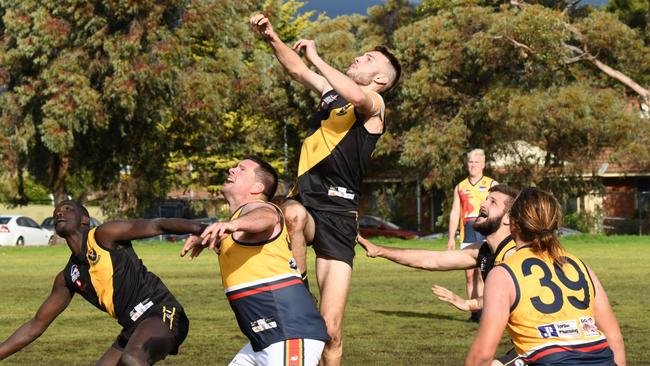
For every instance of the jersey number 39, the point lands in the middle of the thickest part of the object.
(549, 282)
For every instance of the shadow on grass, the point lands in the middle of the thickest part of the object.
(413, 314)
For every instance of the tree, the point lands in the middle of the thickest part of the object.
(86, 86)
(483, 76)
(634, 13)
(244, 100)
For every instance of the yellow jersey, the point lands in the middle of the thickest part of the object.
(471, 196)
(266, 292)
(552, 319)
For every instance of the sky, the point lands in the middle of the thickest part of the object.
(334, 8)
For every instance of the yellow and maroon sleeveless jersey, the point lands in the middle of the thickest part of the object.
(266, 292)
(115, 281)
(471, 196)
(552, 319)
(334, 156)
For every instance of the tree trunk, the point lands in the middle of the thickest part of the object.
(59, 170)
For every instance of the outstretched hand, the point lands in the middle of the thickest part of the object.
(308, 46)
(193, 243)
(262, 25)
(450, 297)
(215, 233)
(371, 249)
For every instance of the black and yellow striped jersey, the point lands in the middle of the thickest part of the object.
(335, 155)
(552, 319)
(115, 281)
(266, 292)
(486, 260)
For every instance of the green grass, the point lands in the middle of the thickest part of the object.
(391, 318)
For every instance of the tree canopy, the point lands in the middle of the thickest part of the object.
(126, 100)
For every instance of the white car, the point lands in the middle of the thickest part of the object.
(48, 224)
(21, 230)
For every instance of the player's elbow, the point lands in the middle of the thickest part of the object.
(479, 357)
(295, 74)
(358, 98)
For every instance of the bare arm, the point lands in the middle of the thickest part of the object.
(289, 59)
(425, 259)
(111, 233)
(259, 220)
(450, 297)
(498, 297)
(365, 103)
(606, 321)
(454, 219)
(58, 300)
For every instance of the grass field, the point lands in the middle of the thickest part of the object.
(391, 318)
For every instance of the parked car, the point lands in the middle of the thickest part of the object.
(48, 224)
(22, 230)
(566, 231)
(370, 226)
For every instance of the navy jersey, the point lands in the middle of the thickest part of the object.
(265, 291)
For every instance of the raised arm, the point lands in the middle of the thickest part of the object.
(424, 259)
(112, 233)
(289, 59)
(498, 295)
(454, 219)
(364, 102)
(58, 300)
(606, 321)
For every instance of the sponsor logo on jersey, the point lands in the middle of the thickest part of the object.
(74, 275)
(483, 264)
(564, 329)
(93, 257)
(482, 188)
(292, 264)
(588, 326)
(340, 192)
(263, 324)
(344, 110)
(139, 309)
(329, 99)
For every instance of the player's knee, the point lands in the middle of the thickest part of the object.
(134, 357)
(336, 340)
(334, 331)
(295, 217)
(333, 350)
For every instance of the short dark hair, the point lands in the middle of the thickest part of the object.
(511, 192)
(83, 211)
(393, 61)
(77, 204)
(266, 174)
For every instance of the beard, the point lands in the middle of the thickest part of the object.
(489, 226)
